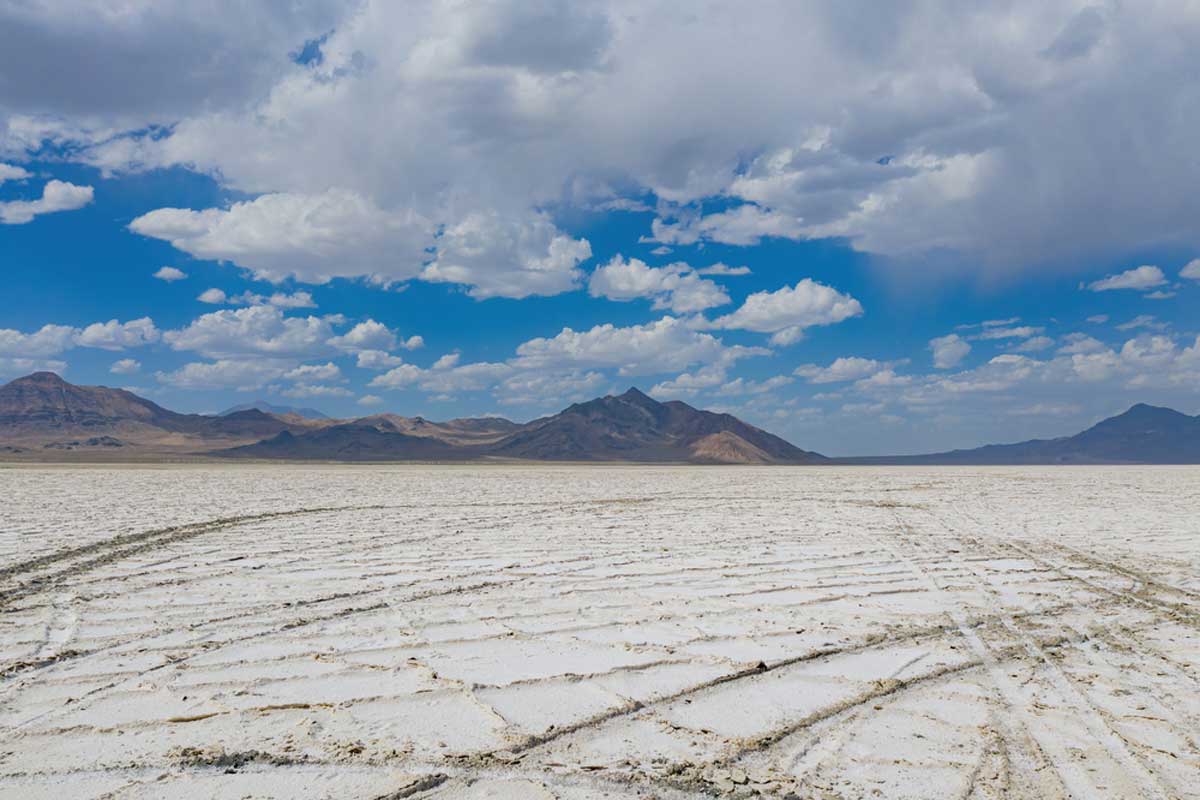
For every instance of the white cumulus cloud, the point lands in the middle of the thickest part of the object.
(787, 312)
(56, 196)
(170, 274)
(1139, 278)
(675, 287)
(309, 237)
(948, 351)
(500, 257)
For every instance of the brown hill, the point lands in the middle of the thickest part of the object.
(469, 431)
(43, 411)
(727, 447)
(634, 427)
(351, 441)
(43, 400)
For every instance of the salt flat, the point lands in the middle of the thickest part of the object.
(577, 632)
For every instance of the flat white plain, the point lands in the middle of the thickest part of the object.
(577, 632)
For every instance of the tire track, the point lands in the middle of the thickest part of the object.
(80, 560)
(1132, 763)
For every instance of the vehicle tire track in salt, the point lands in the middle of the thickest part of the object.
(1131, 762)
(98, 554)
(1019, 726)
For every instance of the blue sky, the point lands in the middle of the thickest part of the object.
(851, 244)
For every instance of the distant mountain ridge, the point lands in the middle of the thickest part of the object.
(42, 409)
(270, 408)
(1144, 434)
(43, 412)
(630, 427)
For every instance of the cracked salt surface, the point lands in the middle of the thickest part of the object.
(620, 632)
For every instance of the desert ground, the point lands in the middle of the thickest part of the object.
(579, 632)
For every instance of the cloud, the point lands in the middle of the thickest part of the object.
(498, 257)
(675, 287)
(883, 378)
(1023, 332)
(377, 360)
(370, 400)
(667, 344)
(248, 298)
(170, 274)
(264, 331)
(374, 336)
(847, 368)
(148, 61)
(888, 132)
(1081, 369)
(863, 408)
(1142, 321)
(314, 372)
(1079, 36)
(239, 374)
(690, 383)
(398, 377)
(788, 311)
(16, 367)
(293, 300)
(536, 389)
(466, 378)
(49, 340)
(302, 390)
(1139, 278)
(125, 366)
(368, 335)
(1191, 270)
(723, 269)
(741, 386)
(1035, 344)
(1098, 319)
(1046, 410)
(115, 335)
(948, 351)
(11, 172)
(310, 237)
(56, 196)
(255, 330)
(1081, 343)
(54, 339)
(744, 225)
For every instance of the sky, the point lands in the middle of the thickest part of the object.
(867, 228)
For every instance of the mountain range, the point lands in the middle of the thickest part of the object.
(270, 408)
(42, 412)
(42, 416)
(1144, 434)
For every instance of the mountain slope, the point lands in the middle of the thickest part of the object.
(44, 400)
(1142, 435)
(43, 411)
(383, 437)
(351, 442)
(634, 427)
(263, 405)
(467, 431)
